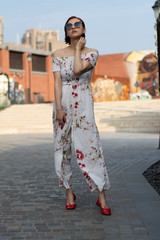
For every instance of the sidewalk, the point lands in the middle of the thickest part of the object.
(33, 206)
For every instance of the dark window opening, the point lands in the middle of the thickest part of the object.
(16, 60)
(38, 63)
(50, 46)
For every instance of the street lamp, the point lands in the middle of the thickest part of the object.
(29, 58)
(156, 8)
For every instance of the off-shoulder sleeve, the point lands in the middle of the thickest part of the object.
(92, 58)
(56, 65)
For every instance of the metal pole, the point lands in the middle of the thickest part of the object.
(29, 84)
(158, 48)
(8, 88)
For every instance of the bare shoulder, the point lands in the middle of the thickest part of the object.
(88, 50)
(59, 52)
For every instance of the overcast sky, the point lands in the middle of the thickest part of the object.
(113, 26)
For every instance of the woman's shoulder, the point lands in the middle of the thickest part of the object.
(91, 50)
(64, 52)
(59, 52)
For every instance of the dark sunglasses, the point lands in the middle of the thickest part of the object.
(76, 25)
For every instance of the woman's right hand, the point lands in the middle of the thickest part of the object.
(60, 116)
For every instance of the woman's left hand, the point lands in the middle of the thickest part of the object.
(81, 43)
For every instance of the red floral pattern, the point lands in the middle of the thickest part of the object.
(79, 155)
(74, 87)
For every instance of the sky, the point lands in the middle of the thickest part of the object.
(111, 26)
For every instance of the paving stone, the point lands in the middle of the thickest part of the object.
(127, 238)
(5, 238)
(23, 235)
(33, 206)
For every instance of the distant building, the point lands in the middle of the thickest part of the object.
(17, 45)
(45, 40)
(1, 30)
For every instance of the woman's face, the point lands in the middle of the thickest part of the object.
(75, 30)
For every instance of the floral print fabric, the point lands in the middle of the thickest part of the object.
(77, 103)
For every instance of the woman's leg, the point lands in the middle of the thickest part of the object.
(70, 198)
(62, 152)
(102, 199)
(87, 143)
(89, 155)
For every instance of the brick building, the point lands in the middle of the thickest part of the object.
(124, 76)
(35, 75)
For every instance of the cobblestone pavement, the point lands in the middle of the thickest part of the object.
(33, 206)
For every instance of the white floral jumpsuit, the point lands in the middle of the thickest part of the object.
(77, 103)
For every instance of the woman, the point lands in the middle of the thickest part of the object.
(74, 111)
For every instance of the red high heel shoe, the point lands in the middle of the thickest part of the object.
(105, 211)
(71, 206)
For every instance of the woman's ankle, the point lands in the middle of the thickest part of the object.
(101, 196)
(101, 193)
(70, 197)
(69, 191)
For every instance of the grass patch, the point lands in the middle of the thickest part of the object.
(1, 108)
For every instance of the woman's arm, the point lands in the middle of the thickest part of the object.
(79, 65)
(60, 114)
(58, 89)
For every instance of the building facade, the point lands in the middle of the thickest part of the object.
(26, 78)
(45, 40)
(124, 76)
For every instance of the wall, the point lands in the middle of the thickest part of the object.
(124, 76)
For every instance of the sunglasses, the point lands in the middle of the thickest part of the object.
(76, 25)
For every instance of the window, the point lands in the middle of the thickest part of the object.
(50, 46)
(29, 38)
(39, 45)
(46, 36)
(15, 59)
(38, 63)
